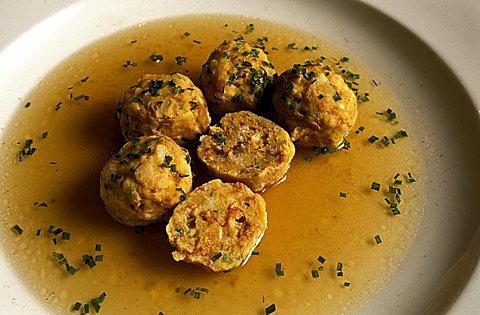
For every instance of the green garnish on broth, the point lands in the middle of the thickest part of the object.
(278, 270)
(270, 309)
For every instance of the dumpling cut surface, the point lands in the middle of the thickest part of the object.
(163, 104)
(218, 225)
(235, 77)
(315, 105)
(148, 177)
(247, 148)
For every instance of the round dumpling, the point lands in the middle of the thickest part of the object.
(315, 105)
(163, 104)
(247, 148)
(218, 225)
(235, 77)
(145, 180)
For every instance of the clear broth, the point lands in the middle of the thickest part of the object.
(307, 216)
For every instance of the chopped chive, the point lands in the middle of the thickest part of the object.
(98, 258)
(378, 239)
(314, 273)
(397, 182)
(38, 232)
(410, 178)
(54, 241)
(86, 308)
(57, 231)
(18, 229)
(321, 259)
(396, 211)
(186, 34)
(71, 270)
(374, 83)
(216, 256)
(187, 291)
(375, 186)
(255, 253)
(250, 28)
(66, 236)
(339, 266)
(81, 97)
(292, 46)
(360, 129)
(336, 97)
(197, 41)
(372, 139)
(156, 58)
(76, 307)
(45, 135)
(270, 309)
(278, 270)
(343, 195)
(51, 228)
(27, 105)
(85, 79)
(98, 247)
(180, 60)
(346, 284)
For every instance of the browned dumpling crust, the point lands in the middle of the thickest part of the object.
(315, 105)
(247, 148)
(164, 104)
(218, 225)
(235, 77)
(148, 177)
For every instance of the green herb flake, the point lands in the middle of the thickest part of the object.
(375, 186)
(336, 97)
(129, 63)
(250, 28)
(278, 270)
(410, 178)
(378, 239)
(180, 60)
(76, 307)
(321, 259)
(156, 57)
(360, 129)
(45, 135)
(308, 159)
(197, 42)
(343, 195)
(17, 229)
(270, 309)
(186, 34)
(98, 258)
(27, 150)
(27, 104)
(216, 257)
(372, 139)
(255, 253)
(314, 273)
(292, 46)
(346, 284)
(65, 236)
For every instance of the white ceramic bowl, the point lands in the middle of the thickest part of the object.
(427, 50)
